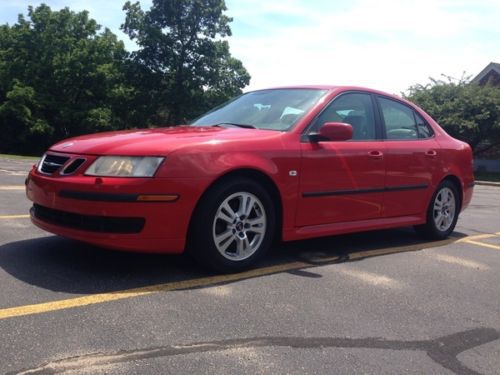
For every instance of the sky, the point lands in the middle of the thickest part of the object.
(384, 44)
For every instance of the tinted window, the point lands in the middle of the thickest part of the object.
(424, 129)
(278, 109)
(354, 109)
(399, 120)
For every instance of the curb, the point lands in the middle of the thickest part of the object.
(488, 183)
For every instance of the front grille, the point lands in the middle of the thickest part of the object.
(73, 166)
(51, 163)
(102, 224)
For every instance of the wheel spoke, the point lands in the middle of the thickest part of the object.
(247, 205)
(446, 221)
(257, 222)
(226, 213)
(224, 239)
(447, 197)
(451, 207)
(257, 230)
(257, 226)
(242, 245)
(438, 204)
(439, 220)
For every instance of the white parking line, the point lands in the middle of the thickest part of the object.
(371, 278)
(460, 261)
(8, 217)
(12, 187)
(218, 291)
(13, 173)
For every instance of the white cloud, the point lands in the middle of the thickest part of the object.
(384, 44)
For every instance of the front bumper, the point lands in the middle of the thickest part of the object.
(143, 226)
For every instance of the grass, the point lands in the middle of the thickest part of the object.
(487, 176)
(19, 157)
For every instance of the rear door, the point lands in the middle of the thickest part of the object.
(411, 158)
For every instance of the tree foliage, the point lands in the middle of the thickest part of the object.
(59, 76)
(465, 110)
(188, 64)
(62, 75)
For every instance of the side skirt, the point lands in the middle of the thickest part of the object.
(351, 227)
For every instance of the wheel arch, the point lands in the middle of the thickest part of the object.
(458, 184)
(263, 179)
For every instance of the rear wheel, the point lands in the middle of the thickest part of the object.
(233, 226)
(442, 213)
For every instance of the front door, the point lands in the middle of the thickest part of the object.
(343, 181)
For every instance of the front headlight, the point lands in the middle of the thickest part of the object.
(124, 166)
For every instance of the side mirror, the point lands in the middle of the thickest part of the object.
(332, 131)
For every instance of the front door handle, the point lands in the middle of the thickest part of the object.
(431, 153)
(376, 154)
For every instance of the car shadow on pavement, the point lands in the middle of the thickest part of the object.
(64, 265)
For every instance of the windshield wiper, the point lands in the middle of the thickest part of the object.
(246, 126)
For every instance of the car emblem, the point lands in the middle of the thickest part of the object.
(66, 145)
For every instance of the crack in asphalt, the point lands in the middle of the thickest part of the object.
(442, 350)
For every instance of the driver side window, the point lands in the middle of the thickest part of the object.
(355, 109)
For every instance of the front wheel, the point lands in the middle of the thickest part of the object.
(442, 213)
(233, 226)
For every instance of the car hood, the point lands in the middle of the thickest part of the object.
(159, 141)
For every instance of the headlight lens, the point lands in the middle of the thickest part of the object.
(124, 166)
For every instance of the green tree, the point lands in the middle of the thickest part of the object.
(59, 76)
(188, 66)
(466, 111)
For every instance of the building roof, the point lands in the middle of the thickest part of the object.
(491, 67)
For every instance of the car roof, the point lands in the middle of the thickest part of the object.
(327, 87)
(337, 88)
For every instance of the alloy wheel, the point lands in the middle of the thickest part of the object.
(239, 226)
(444, 209)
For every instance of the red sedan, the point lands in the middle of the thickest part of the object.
(288, 163)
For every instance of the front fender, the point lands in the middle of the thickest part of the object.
(276, 165)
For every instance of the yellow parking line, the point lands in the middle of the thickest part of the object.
(12, 187)
(472, 240)
(201, 282)
(478, 237)
(496, 247)
(7, 217)
(40, 308)
(206, 281)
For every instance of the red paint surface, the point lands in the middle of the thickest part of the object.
(196, 157)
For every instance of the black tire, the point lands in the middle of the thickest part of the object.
(207, 224)
(434, 229)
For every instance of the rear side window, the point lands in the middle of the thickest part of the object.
(424, 129)
(403, 122)
(400, 122)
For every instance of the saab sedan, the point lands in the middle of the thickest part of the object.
(278, 164)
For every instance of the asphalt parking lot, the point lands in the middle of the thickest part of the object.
(379, 302)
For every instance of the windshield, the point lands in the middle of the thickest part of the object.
(277, 109)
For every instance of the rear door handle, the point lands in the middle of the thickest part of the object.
(431, 153)
(376, 154)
